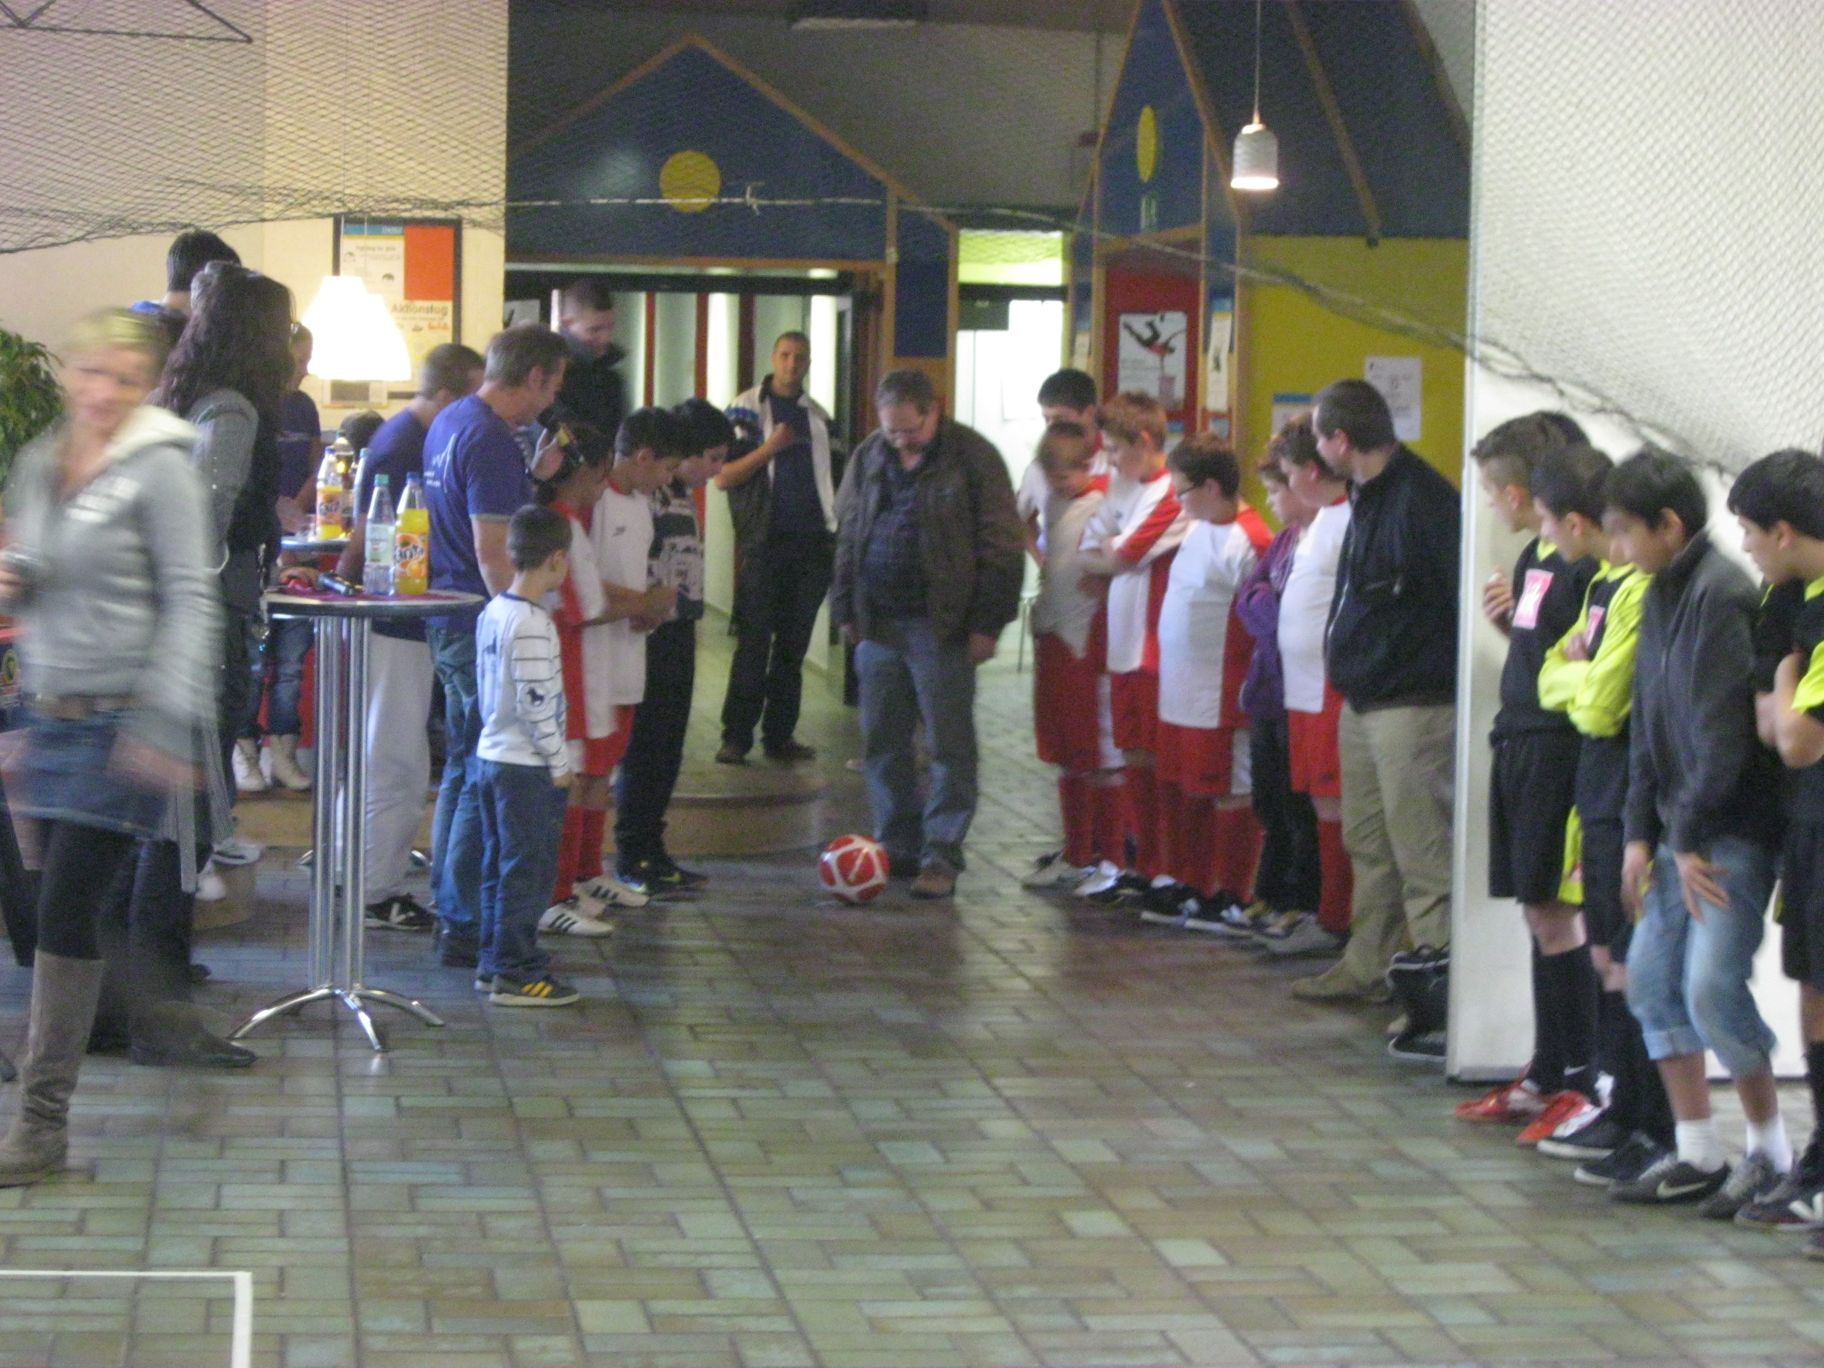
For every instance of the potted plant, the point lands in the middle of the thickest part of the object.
(30, 397)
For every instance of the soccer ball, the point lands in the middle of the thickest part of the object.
(854, 868)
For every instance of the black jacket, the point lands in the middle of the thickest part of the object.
(1696, 769)
(971, 542)
(1392, 637)
(593, 391)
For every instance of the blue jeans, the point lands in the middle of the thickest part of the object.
(907, 674)
(1688, 980)
(456, 826)
(279, 671)
(522, 819)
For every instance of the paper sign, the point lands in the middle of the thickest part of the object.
(1151, 355)
(1216, 366)
(1286, 407)
(1400, 381)
(426, 323)
(376, 253)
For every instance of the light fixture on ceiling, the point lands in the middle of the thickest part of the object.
(1256, 164)
(354, 334)
(856, 14)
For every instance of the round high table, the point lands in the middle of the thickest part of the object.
(339, 817)
(302, 545)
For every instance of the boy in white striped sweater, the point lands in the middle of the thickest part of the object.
(524, 764)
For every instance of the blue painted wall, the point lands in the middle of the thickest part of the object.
(921, 307)
(1152, 77)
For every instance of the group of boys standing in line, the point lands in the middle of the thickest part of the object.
(1215, 700)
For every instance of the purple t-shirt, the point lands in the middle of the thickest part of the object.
(396, 450)
(474, 469)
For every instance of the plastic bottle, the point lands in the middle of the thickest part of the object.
(411, 541)
(377, 570)
(332, 495)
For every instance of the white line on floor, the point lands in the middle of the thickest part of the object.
(240, 1344)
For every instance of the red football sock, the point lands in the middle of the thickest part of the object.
(1143, 813)
(1334, 899)
(589, 852)
(567, 847)
(1105, 796)
(1236, 834)
(1175, 842)
(1077, 807)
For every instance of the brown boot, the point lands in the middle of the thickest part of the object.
(64, 993)
(936, 879)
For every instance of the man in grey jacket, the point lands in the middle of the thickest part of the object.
(1703, 823)
(928, 570)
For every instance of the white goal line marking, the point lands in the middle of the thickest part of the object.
(240, 1344)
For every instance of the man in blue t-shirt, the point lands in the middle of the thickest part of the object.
(399, 670)
(475, 479)
(782, 500)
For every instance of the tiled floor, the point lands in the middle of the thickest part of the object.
(787, 1133)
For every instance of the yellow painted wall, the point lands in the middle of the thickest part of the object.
(1293, 345)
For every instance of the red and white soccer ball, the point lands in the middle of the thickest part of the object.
(854, 868)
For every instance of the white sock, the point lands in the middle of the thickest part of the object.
(1769, 1138)
(1698, 1144)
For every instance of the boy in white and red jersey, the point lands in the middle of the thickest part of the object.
(1129, 544)
(1070, 694)
(1208, 837)
(1066, 396)
(1313, 706)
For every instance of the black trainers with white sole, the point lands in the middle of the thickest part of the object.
(1596, 1140)
(401, 912)
(1670, 1179)
(1634, 1157)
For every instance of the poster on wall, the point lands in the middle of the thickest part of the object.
(1216, 366)
(1286, 407)
(1401, 383)
(415, 265)
(1151, 357)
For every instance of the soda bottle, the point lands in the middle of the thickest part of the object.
(411, 541)
(332, 496)
(377, 570)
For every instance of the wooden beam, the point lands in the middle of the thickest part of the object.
(1345, 145)
(1453, 107)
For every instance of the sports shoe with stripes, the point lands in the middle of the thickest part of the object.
(568, 918)
(543, 991)
(1588, 1134)
(1054, 873)
(607, 891)
(1796, 1201)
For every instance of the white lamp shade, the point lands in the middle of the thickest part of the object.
(1256, 164)
(354, 334)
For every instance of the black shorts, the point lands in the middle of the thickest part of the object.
(1604, 920)
(1802, 903)
(1532, 788)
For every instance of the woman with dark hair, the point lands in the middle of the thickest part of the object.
(106, 571)
(227, 378)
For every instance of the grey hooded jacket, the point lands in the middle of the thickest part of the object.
(121, 599)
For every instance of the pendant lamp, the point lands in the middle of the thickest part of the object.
(1255, 167)
(355, 334)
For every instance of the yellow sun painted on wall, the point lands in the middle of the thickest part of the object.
(690, 182)
(1146, 144)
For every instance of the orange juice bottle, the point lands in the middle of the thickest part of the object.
(412, 541)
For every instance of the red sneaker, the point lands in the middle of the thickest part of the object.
(1511, 1103)
(1559, 1108)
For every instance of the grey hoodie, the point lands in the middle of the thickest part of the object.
(122, 599)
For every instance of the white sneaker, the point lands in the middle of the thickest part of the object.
(608, 891)
(567, 918)
(209, 885)
(1054, 871)
(282, 764)
(247, 775)
(1101, 879)
(1300, 937)
(237, 850)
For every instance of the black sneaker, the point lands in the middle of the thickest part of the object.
(1638, 1153)
(454, 952)
(1670, 1179)
(1598, 1139)
(1418, 1047)
(1754, 1178)
(1797, 1202)
(546, 990)
(1426, 959)
(1164, 904)
(658, 877)
(401, 912)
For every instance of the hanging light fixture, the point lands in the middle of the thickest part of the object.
(1255, 167)
(355, 334)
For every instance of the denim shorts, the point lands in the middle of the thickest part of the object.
(64, 774)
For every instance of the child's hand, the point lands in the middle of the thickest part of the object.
(1498, 600)
(563, 782)
(661, 602)
(1577, 647)
(1636, 877)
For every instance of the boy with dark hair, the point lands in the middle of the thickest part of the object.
(655, 749)
(1779, 501)
(190, 251)
(1531, 792)
(1066, 396)
(1589, 675)
(593, 391)
(1130, 542)
(522, 763)
(1703, 829)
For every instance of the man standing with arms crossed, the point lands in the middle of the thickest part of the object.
(783, 503)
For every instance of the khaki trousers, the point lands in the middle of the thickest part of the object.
(1399, 771)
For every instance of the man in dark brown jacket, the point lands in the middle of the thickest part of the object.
(928, 572)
